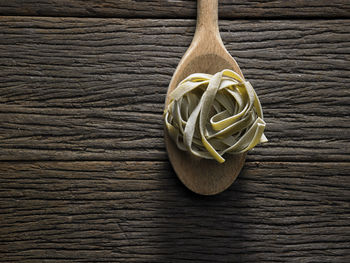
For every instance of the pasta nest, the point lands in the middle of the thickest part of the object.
(210, 115)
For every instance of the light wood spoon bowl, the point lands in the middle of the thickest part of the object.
(206, 54)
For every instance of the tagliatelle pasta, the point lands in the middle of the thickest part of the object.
(210, 115)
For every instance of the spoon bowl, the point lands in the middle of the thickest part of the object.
(206, 54)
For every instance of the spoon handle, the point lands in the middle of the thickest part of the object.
(207, 18)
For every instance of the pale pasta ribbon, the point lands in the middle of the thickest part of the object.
(210, 115)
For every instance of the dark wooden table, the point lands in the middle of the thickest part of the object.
(84, 174)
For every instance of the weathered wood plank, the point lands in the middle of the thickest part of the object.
(139, 211)
(176, 9)
(93, 89)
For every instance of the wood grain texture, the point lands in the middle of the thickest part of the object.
(140, 212)
(175, 8)
(93, 89)
(84, 174)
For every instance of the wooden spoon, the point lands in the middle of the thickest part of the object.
(206, 54)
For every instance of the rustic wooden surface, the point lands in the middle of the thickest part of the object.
(176, 8)
(139, 211)
(84, 175)
(94, 89)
